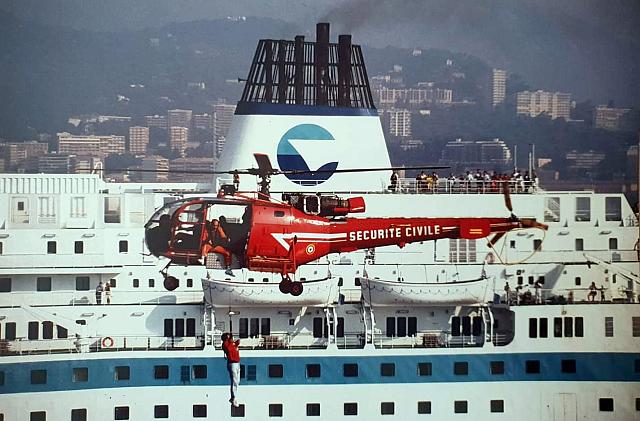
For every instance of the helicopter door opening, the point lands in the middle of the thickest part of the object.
(228, 228)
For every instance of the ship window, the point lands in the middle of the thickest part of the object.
(80, 374)
(168, 327)
(613, 244)
(38, 376)
(179, 328)
(47, 330)
(583, 209)
(82, 283)
(313, 370)
(161, 411)
(605, 404)
(123, 246)
(391, 327)
(579, 244)
(461, 368)
(152, 283)
(78, 247)
(200, 411)
(191, 327)
(412, 328)
(520, 280)
(424, 369)
(63, 333)
(455, 326)
(275, 409)
(357, 282)
(254, 327)
(276, 371)
(122, 372)
(533, 328)
(79, 414)
(387, 369)
(81, 322)
(401, 330)
(2, 379)
(496, 367)
(557, 327)
(568, 366)
(121, 413)
(161, 372)
(112, 210)
(637, 404)
(244, 328)
(512, 244)
(568, 327)
(1, 247)
(34, 327)
(635, 326)
(579, 328)
(552, 209)
(265, 326)
(43, 283)
(199, 371)
(544, 327)
(189, 282)
(537, 244)
(112, 282)
(313, 410)
(10, 331)
(38, 416)
(350, 370)
(460, 407)
(466, 325)
(578, 281)
(612, 209)
(532, 366)
(5, 284)
(350, 408)
(251, 372)
(387, 408)
(318, 323)
(136, 283)
(497, 406)
(51, 247)
(237, 411)
(424, 407)
(78, 207)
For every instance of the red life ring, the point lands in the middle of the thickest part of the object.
(107, 342)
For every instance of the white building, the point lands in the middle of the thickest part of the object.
(138, 139)
(555, 104)
(498, 87)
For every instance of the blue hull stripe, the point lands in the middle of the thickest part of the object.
(261, 108)
(590, 367)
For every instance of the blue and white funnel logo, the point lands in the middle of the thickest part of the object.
(315, 143)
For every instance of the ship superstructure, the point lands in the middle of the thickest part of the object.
(447, 329)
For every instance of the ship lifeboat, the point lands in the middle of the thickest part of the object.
(225, 293)
(392, 293)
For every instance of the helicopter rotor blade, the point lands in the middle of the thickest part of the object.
(355, 170)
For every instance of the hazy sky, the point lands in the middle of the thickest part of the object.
(590, 46)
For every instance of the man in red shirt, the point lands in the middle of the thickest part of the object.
(231, 353)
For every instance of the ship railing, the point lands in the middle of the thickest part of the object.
(298, 340)
(459, 186)
(22, 346)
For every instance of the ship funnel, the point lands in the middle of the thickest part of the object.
(308, 106)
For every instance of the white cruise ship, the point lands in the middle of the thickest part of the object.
(426, 331)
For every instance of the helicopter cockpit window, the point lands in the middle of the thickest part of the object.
(187, 232)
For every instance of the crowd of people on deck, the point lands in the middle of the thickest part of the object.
(476, 182)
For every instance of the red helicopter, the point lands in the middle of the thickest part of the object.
(264, 234)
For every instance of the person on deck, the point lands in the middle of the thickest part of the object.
(231, 353)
